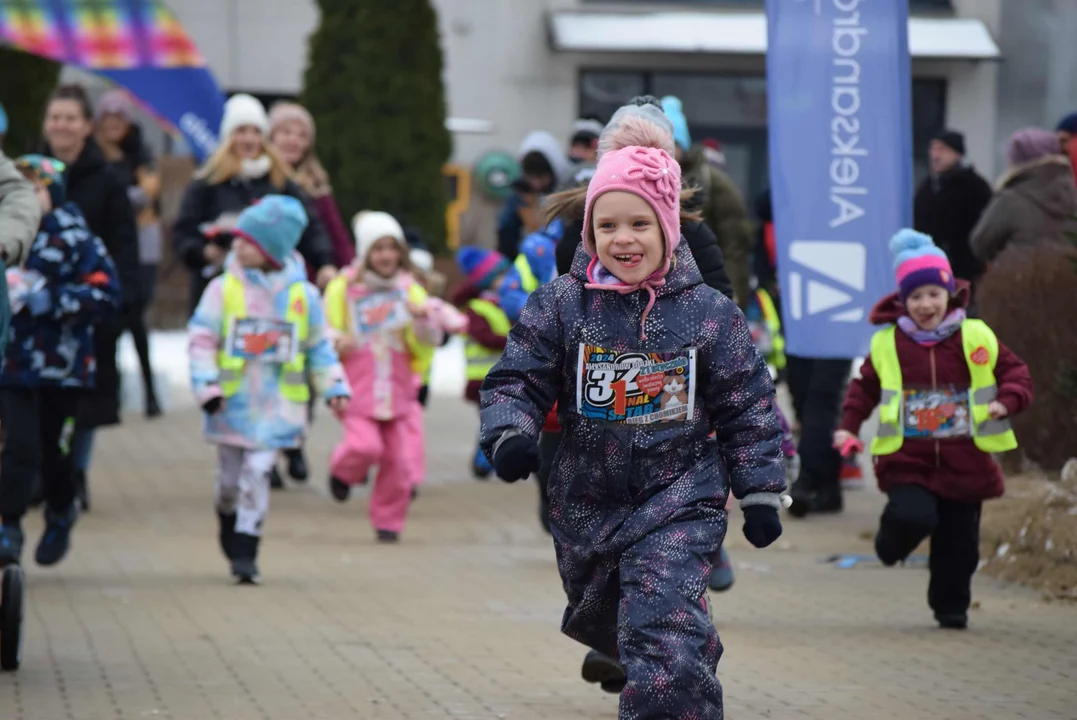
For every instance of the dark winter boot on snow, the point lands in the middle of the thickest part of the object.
(11, 542)
(227, 532)
(297, 464)
(276, 482)
(605, 671)
(56, 541)
(952, 621)
(245, 559)
(339, 489)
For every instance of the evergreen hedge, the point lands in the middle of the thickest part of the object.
(373, 84)
(25, 83)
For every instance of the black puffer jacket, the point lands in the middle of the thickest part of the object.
(701, 241)
(947, 207)
(204, 203)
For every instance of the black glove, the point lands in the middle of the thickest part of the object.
(516, 458)
(213, 405)
(761, 525)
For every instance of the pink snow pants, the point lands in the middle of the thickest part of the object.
(387, 444)
(416, 443)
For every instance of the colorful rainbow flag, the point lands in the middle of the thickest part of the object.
(137, 43)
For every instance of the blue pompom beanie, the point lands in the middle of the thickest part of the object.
(918, 262)
(674, 110)
(274, 224)
(481, 266)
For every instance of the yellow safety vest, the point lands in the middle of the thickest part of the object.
(481, 359)
(528, 281)
(991, 436)
(293, 382)
(774, 324)
(338, 314)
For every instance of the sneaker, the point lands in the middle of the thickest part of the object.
(388, 536)
(297, 464)
(721, 578)
(276, 482)
(11, 542)
(605, 671)
(480, 466)
(339, 489)
(227, 532)
(245, 559)
(952, 621)
(56, 540)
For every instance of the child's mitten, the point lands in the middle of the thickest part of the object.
(761, 525)
(516, 457)
(213, 405)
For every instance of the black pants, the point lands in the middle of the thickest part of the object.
(39, 425)
(817, 386)
(912, 514)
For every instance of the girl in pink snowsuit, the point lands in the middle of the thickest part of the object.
(383, 322)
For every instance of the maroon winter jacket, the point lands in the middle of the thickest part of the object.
(952, 468)
(479, 330)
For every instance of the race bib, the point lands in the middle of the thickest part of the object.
(260, 340)
(636, 388)
(380, 312)
(937, 413)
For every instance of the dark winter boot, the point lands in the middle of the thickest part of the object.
(339, 489)
(153, 408)
(276, 482)
(297, 464)
(245, 559)
(952, 621)
(56, 541)
(227, 532)
(388, 536)
(605, 671)
(721, 578)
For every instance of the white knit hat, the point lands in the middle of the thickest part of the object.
(243, 109)
(371, 226)
(421, 259)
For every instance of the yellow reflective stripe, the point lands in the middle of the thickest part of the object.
(491, 313)
(528, 280)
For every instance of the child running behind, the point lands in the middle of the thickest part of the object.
(69, 284)
(255, 332)
(644, 362)
(946, 388)
(384, 326)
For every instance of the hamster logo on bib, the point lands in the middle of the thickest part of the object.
(636, 388)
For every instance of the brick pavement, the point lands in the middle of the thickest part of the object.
(460, 620)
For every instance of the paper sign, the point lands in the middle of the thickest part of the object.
(380, 312)
(261, 340)
(937, 413)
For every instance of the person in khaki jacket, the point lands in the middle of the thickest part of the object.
(20, 214)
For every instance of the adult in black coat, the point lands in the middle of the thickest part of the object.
(102, 196)
(242, 171)
(949, 203)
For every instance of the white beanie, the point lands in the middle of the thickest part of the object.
(371, 226)
(422, 259)
(243, 109)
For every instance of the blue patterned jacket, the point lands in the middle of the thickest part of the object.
(55, 347)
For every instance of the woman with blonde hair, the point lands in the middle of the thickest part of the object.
(291, 134)
(243, 170)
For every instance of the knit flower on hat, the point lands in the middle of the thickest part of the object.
(651, 168)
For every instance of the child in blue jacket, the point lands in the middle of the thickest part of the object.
(68, 284)
(644, 362)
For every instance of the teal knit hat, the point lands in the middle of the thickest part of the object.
(274, 224)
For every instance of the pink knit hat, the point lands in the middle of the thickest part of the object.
(653, 175)
(283, 112)
(646, 172)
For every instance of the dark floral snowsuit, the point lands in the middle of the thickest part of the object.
(637, 511)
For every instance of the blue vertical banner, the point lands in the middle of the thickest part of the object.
(840, 115)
